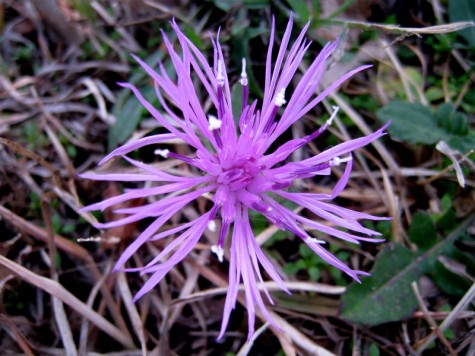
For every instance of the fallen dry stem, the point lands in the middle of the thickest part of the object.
(270, 286)
(17, 335)
(71, 249)
(461, 306)
(33, 156)
(430, 321)
(58, 307)
(56, 290)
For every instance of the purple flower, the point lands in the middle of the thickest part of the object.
(232, 163)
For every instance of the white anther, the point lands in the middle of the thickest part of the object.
(219, 76)
(338, 160)
(90, 239)
(280, 98)
(243, 79)
(111, 239)
(164, 153)
(218, 251)
(214, 123)
(212, 226)
(314, 240)
(269, 209)
(333, 115)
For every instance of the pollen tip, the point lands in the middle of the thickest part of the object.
(337, 160)
(314, 240)
(219, 76)
(243, 80)
(214, 123)
(212, 226)
(164, 153)
(218, 251)
(280, 98)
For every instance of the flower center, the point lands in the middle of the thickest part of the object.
(241, 173)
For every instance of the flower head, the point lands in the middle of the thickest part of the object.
(232, 162)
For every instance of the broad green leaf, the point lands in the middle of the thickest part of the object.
(380, 297)
(411, 122)
(387, 295)
(463, 10)
(422, 231)
(415, 123)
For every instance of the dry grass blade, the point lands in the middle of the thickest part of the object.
(53, 16)
(247, 346)
(101, 103)
(411, 31)
(71, 249)
(301, 340)
(58, 308)
(134, 316)
(442, 173)
(62, 243)
(33, 156)
(56, 290)
(270, 286)
(399, 69)
(461, 306)
(392, 203)
(64, 328)
(431, 321)
(16, 335)
(83, 334)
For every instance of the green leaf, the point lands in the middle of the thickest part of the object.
(415, 123)
(128, 112)
(452, 121)
(387, 295)
(314, 273)
(422, 231)
(299, 7)
(374, 350)
(462, 143)
(411, 122)
(450, 282)
(380, 298)
(463, 10)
